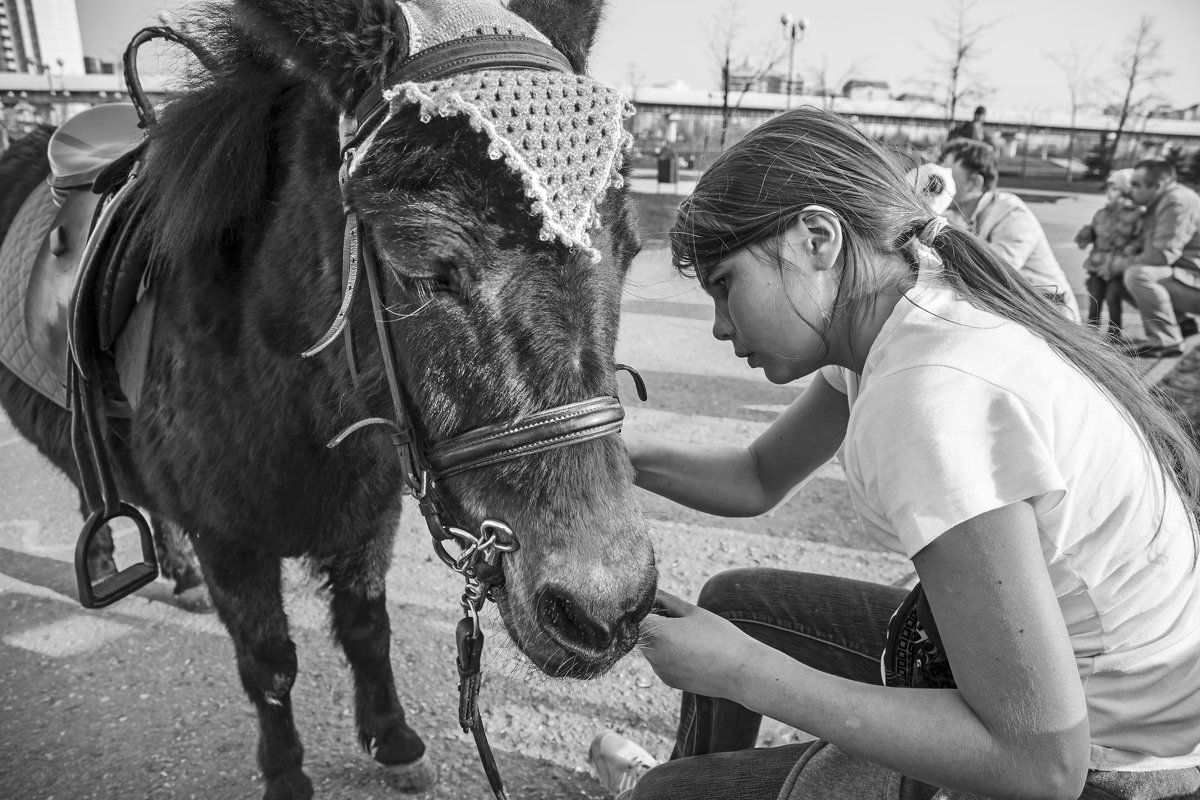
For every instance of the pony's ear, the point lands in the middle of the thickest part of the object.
(570, 25)
(345, 45)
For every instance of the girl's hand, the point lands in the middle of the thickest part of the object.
(695, 650)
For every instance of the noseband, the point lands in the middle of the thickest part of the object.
(474, 555)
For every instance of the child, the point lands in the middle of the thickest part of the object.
(1054, 637)
(1115, 234)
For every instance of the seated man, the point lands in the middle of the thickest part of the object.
(1002, 219)
(1164, 281)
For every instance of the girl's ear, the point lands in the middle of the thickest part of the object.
(816, 238)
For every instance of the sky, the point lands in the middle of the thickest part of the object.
(662, 41)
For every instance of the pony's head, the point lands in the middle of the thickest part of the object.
(494, 204)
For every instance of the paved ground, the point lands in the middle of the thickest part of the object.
(141, 700)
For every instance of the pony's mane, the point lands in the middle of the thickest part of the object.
(211, 161)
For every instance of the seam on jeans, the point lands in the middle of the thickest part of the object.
(809, 636)
(789, 785)
(891, 786)
(693, 730)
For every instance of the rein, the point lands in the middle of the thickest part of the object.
(476, 556)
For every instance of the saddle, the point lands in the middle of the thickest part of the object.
(86, 281)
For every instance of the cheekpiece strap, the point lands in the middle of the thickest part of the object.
(350, 251)
(546, 430)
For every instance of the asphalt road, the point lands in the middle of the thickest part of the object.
(141, 700)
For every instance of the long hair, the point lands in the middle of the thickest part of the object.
(757, 189)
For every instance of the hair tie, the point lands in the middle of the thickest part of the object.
(931, 230)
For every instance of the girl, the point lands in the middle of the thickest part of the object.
(1054, 637)
(1115, 236)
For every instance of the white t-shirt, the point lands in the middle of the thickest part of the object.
(958, 412)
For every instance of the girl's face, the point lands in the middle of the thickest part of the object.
(1115, 195)
(775, 317)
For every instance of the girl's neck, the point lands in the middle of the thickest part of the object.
(872, 314)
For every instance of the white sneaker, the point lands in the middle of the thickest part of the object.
(773, 733)
(619, 763)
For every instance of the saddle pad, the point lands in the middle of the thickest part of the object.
(17, 255)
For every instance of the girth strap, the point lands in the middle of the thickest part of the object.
(546, 430)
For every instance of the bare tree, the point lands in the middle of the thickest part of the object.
(963, 36)
(1139, 74)
(723, 43)
(1076, 66)
(635, 77)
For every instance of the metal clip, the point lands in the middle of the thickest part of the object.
(472, 601)
(493, 540)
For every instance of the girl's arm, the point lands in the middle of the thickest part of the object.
(746, 481)
(1016, 726)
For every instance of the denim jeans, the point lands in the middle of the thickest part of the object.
(839, 626)
(1161, 296)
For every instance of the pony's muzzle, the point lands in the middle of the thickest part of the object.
(572, 626)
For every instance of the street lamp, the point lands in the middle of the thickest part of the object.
(793, 31)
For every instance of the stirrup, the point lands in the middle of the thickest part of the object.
(128, 580)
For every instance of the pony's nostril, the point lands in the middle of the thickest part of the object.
(628, 630)
(563, 616)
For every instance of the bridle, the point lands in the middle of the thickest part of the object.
(476, 556)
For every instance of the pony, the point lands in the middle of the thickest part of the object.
(491, 322)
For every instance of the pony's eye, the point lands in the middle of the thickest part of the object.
(447, 276)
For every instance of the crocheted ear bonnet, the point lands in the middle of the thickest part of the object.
(562, 134)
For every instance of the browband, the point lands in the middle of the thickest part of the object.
(454, 57)
(546, 430)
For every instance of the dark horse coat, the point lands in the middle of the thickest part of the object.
(490, 323)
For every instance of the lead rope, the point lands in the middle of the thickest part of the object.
(468, 637)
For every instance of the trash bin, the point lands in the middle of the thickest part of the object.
(668, 166)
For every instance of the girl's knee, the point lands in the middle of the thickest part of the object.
(727, 589)
(661, 783)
